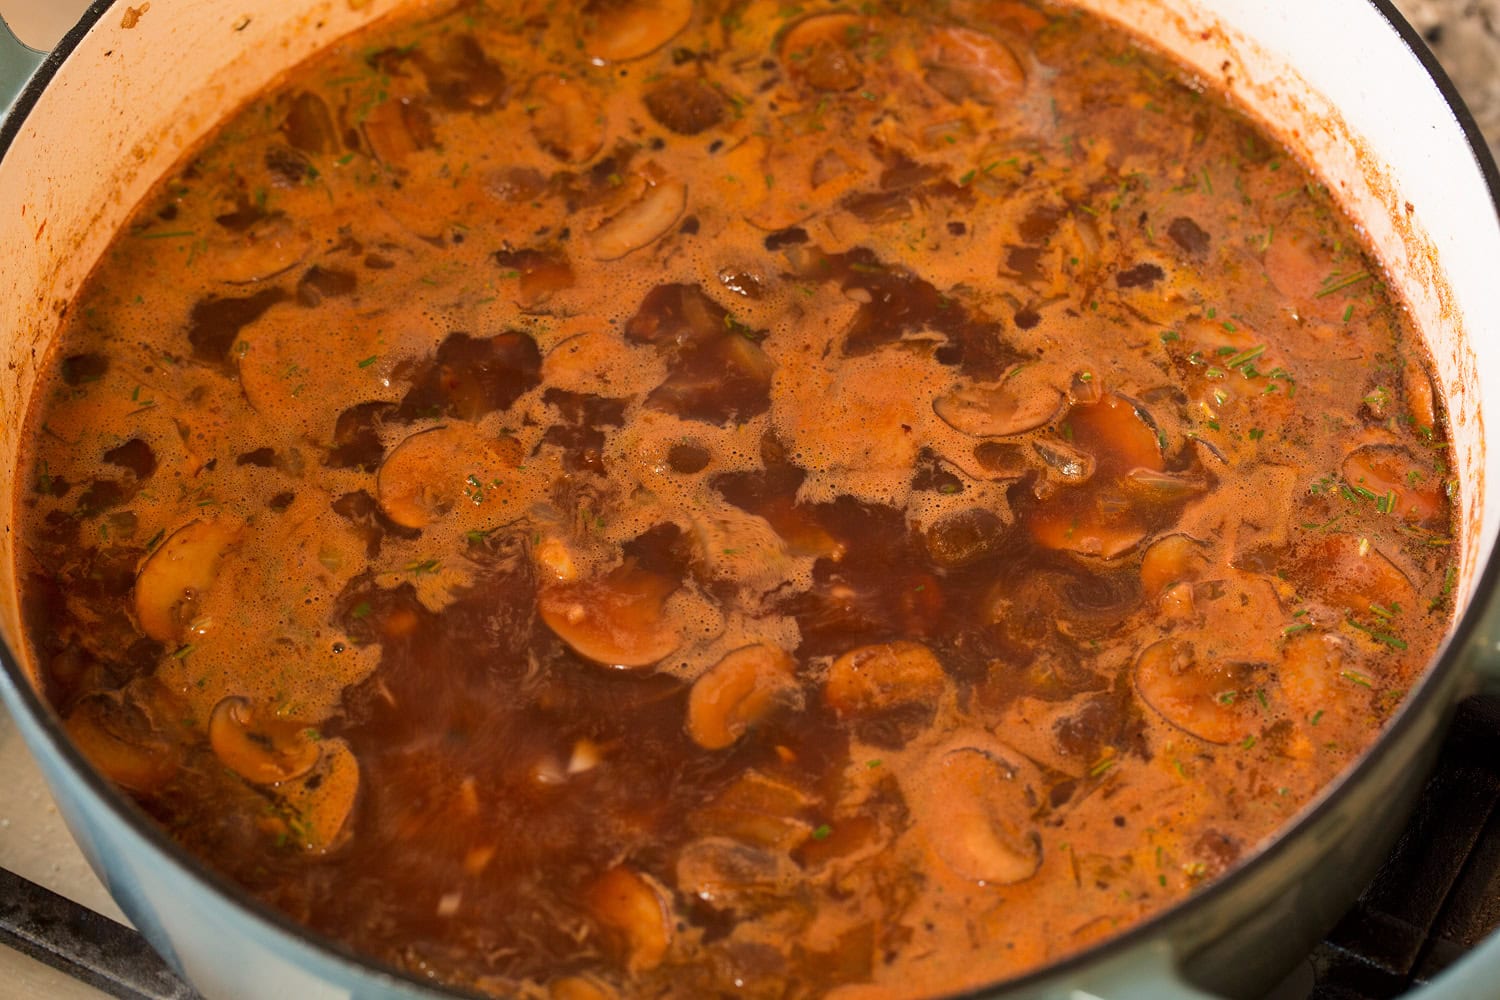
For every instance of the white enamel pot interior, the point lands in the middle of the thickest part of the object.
(1341, 80)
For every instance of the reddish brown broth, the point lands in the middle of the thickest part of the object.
(679, 499)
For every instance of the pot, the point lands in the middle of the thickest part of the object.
(1345, 82)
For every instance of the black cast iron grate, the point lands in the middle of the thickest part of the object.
(1437, 895)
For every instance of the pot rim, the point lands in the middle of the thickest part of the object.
(1330, 800)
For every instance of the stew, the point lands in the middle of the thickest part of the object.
(651, 497)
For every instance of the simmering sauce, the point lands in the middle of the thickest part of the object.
(665, 498)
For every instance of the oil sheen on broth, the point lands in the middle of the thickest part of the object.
(684, 498)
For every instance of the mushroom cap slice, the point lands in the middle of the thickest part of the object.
(431, 472)
(737, 692)
(818, 50)
(177, 572)
(1013, 406)
(104, 733)
(1212, 699)
(974, 799)
(876, 678)
(972, 64)
(618, 620)
(730, 875)
(1351, 573)
(633, 910)
(621, 30)
(259, 747)
(1384, 470)
(1170, 560)
(640, 223)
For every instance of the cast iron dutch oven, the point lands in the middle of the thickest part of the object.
(1346, 82)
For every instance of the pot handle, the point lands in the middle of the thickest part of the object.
(18, 61)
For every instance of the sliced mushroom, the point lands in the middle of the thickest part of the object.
(1421, 395)
(118, 741)
(282, 358)
(322, 801)
(177, 573)
(641, 223)
(975, 805)
(618, 620)
(1351, 573)
(258, 746)
(566, 119)
(1088, 521)
(820, 51)
(1210, 698)
(634, 913)
(395, 130)
(738, 692)
(269, 247)
(621, 30)
(876, 678)
(1384, 471)
(967, 64)
(1172, 560)
(1119, 434)
(431, 472)
(540, 273)
(1024, 400)
(1150, 488)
